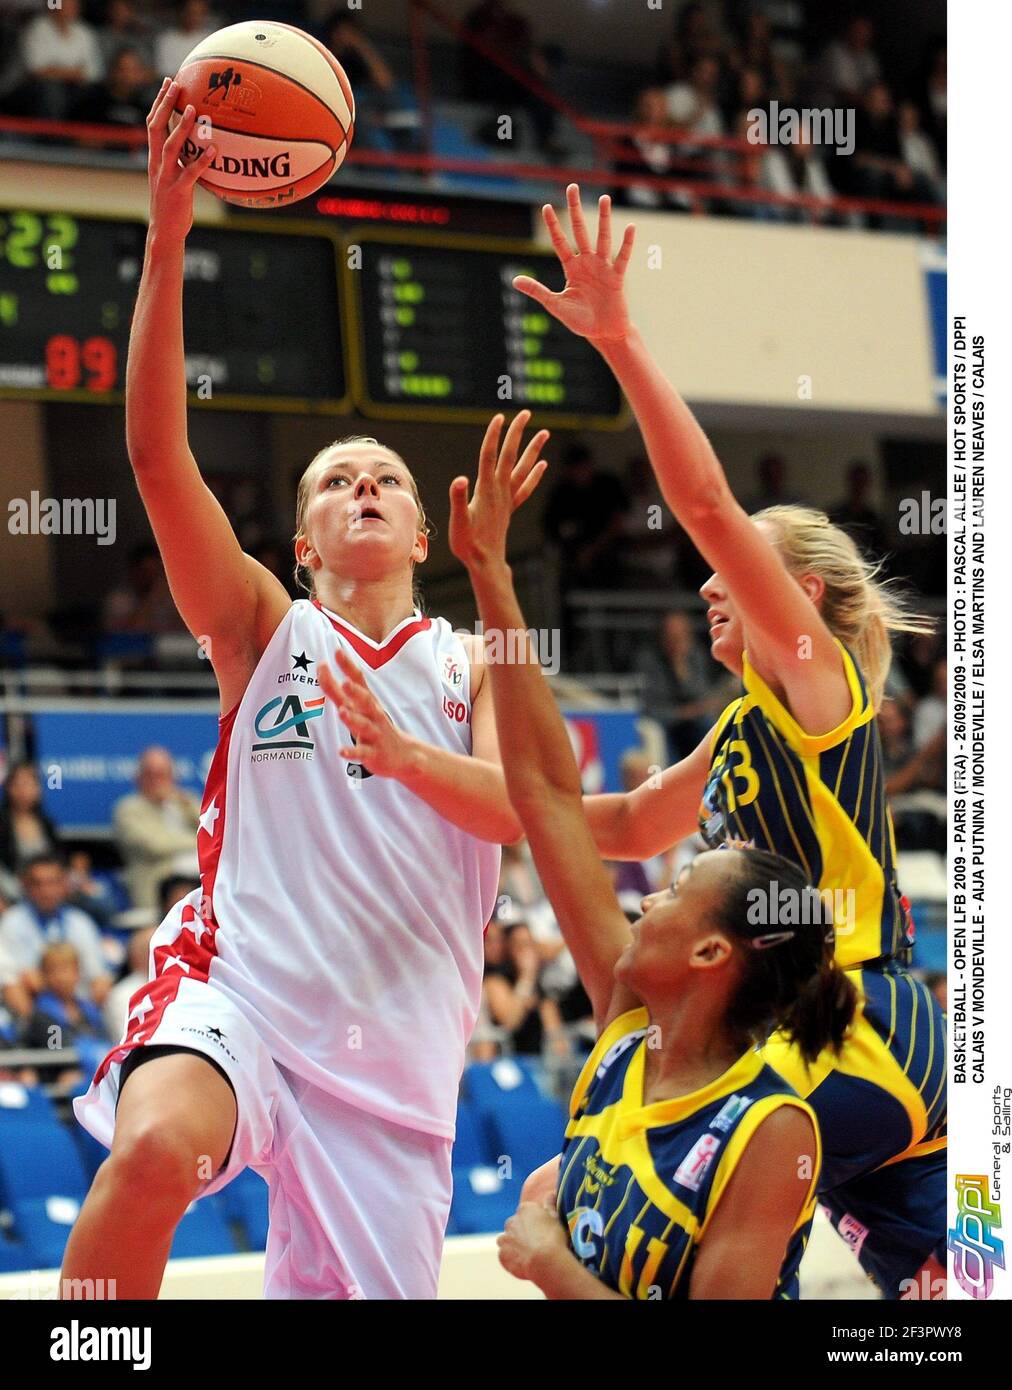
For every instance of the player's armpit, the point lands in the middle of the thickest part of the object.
(746, 1240)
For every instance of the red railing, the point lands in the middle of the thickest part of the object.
(732, 182)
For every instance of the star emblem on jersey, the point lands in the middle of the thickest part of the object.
(209, 816)
(216, 1033)
(140, 1010)
(302, 662)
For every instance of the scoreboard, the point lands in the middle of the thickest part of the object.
(298, 316)
(262, 326)
(444, 334)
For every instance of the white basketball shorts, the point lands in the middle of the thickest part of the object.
(358, 1205)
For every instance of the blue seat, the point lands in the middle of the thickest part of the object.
(482, 1201)
(38, 1159)
(470, 1147)
(30, 1102)
(506, 1081)
(528, 1133)
(245, 1201)
(93, 1153)
(14, 1258)
(43, 1224)
(203, 1231)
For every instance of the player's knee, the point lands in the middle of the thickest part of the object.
(158, 1164)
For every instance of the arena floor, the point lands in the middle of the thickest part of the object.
(471, 1270)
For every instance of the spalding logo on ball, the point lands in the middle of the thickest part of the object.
(279, 108)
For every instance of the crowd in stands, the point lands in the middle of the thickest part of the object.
(73, 942)
(720, 64)
(715, 76)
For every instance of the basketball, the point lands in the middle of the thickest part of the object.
(277, 106)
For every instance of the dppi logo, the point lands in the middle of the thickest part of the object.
(290, 714)
(976, 1250)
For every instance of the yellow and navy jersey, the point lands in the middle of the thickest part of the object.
(639, 1184)
(818, 800)
(882, 1098)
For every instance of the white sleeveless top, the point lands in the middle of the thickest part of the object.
(343, 914)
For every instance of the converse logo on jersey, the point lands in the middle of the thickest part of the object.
(283, 724)
(214, 1035)
(300, 673)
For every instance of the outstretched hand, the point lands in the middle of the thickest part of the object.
(593, 302)
(478, 527)
(170, 183)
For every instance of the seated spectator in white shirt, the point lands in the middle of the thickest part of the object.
(44, 917)
(172, 45)
(156, 828)
(61, 55)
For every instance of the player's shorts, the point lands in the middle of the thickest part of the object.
(881, 1101)
(358, 1205)
(894, 1220)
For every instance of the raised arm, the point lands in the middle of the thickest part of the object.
(777, 612)
(542, 778)
(228, 601)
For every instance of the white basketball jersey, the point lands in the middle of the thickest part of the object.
(341, 912)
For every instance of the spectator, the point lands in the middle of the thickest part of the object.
(87, 892)
(195, 21)
(15, 1006)
(64, 1017)
(173, 889)
(117, 1004)
(678, 684)
(850, 64)
(143, 604)
(585, 515)
(771, 471)
(25, 829)
(918, 151)
(366, 69)
(512, 991)
(931, 712)
(931, 92)
(878, 169)
(855, 513)
(122, 27)
(646, 153)
(155, 827)
(61, 55)
(694, 110)
(505, 31)
(123, 97)
(45, 917)
(907, 768)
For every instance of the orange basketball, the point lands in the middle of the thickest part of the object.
(278, 107)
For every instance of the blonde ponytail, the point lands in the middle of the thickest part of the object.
(859, 608)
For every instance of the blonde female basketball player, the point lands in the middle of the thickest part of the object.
(309, 1006)
(794, 766)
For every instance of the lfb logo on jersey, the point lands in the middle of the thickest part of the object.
(286, 715)
(696, 1163)
(453, 673)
